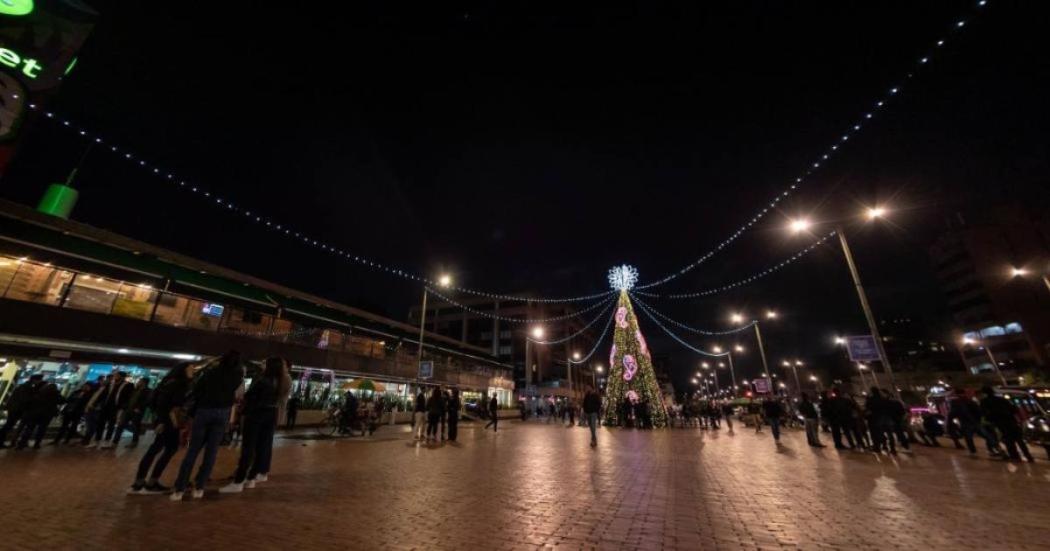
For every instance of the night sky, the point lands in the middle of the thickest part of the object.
(528, 147)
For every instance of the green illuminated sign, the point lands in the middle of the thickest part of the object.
(16, 7)
(10, 58)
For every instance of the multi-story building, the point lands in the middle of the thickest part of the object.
(539, 369)
(992, 273)
(77, 302)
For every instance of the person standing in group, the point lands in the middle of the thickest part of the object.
(112, 403)
(963, 410)
(1004, 415)
(42, 408)
(835, 408)
(897, 413)
(880, 425)
(260, 422)
(809, 412)
(453, 406)
(17, 405)
(435, 411)
(773, 412)
(754, 410)
(72, 412)
(419, 416)
(592, 405)
(292, 412)
(494, 413)
(213, 395)
(727, 414)
(167, 403)
(131, 418)
(446, 397)
(571, 406)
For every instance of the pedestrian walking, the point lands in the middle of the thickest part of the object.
(812, 420)
(773, 411)
(260, 422)
(592, 405)
(292, 412)
(727, 414)
(453, 406)
(17, 405)
(435, 411)
(42, 408)
(213, 395)
(571, 407)
(419, 416)
(167, 405)
(964, 414)
(1004, 415)
(898, 418)
(494, 413)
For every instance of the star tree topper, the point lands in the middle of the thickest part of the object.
(623, 277)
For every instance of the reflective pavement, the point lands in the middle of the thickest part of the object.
(534, 485)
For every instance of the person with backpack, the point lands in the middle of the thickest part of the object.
(213, 394)
(167, 404)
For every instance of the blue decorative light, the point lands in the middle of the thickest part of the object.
(623, 277)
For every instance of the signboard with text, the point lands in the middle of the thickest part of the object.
(761, 386)
(426, 370)
(862, 348)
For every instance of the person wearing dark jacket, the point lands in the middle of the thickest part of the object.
(167, 404)
(212, 396)
(435, 411)
(38, 415)
(419, 415)
(494, 414)
(292, 412)
(131, 418)
(454, 404)
(809, 412)
(880, 422)
(773, 411)
(1003, 414)
(72, 412)
(961, 412)
(111, 405)
(592, 405)
(260, 422)
(17, 405)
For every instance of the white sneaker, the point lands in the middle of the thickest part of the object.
(232, 488)
(249, 483)
(262, 477)
(176, 495)
(197, 494)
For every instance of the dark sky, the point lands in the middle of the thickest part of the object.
(530, 146)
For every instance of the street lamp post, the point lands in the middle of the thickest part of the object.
(762, 353)
(537, 332)
(445, 281)
(872, 326)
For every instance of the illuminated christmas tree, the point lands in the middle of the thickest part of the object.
(631, 377)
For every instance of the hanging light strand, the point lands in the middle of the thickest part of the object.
(221, 202)
(689, 328)
(836, 146)
(608, 305)
(750, 279)
(597, 343)
(702, 352)
(576, 314)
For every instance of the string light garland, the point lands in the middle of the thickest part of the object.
(702, 352)
(576, 314)
(821, 159)
(692, 329)
(597, 343)
(608, 304)
(750, 279)
(285, 229)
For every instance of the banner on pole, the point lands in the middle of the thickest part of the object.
(862, 348)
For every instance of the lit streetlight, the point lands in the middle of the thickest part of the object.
(738, 318)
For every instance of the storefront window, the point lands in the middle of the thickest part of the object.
(246, 322)
(38, 283)
(8, 266)
(180, 311)
(93, 294)
(135, 301)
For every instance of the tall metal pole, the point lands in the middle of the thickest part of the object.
(422, 326)
(798, 385)
(872, 326)
(762, 352)
(863, 381)
(732, 371)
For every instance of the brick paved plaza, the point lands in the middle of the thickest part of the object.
(535, 485)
